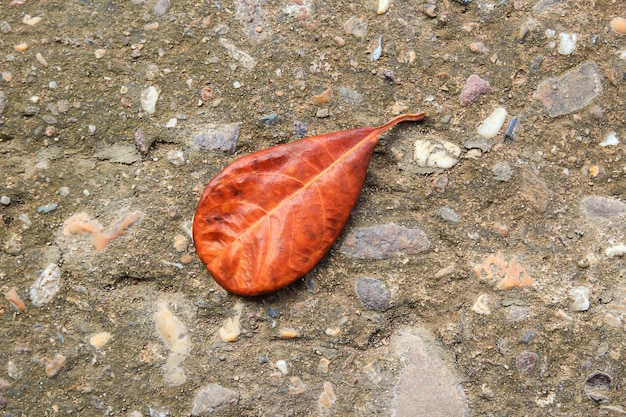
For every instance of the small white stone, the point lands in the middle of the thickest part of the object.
(176, 157)
(567, 43)
(481, 305)
(237, 84)
(617, 250)
(610, 140)
(149, 98)
(580, 296)
(172, 122)
(99, 53)
(282, 366)
(383, 6)
(5, 200)
(46, 286)
(490, 127)
(436, 154)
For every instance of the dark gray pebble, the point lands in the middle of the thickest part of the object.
(373, 293)
(384, 241)
(598, 206)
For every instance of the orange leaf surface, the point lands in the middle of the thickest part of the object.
(270, 216)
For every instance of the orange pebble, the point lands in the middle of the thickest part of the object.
(324, 97)
(186, 259)
(618, 24)
(15, 300)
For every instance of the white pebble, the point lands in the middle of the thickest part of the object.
(490, 127)
(383, 6)
(580, 296)
(436, 154)
(5, 200)
(567, 43)
(172, 122)
(149, 98)
(282, 366)
(176, 157)
(99, 53)
(617, 250)
(379, 49)
(610, 140)
(481, 305)
(231, 329)
(46, 286)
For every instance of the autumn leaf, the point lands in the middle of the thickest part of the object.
(270, 216)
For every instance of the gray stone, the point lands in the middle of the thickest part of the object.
(448, 214)
(572, 91)
(502, 171)
(598, 206)
(350, 96)
(373, 293)
(120, 154)
(427, 385)
(223, 137)
(384, 241)
(213, 397)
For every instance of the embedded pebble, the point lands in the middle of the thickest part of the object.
(384, 241)
(618, 24)
(572, 91)
(46, 286)
(373, 293)
(383, 6)
(599, 206)
(81, 223)
(509, 274)
(149, 98)
(99, 53)
(502, 171)
(98, 340)
(526, 362)
(297, 386)
(3, 101)
(176, 157)
(481, 305)
(13, 297)
(269, 119)
(534, 190)
(324, 365)
(339, 41)
(567, 43)
(378, 51)
(423, 356)
(181, 243)
(231, 329)
(212, 398)
(174, 335)
(350, 96)
(436, 153)
(55, 365)
(247, 61)
(222, 137)
(300, 128)
(282, 366)
(580, 297)
(356, 26)
(324, 97)
(326, 399)
(610, 140)
(289, 333)
(490, 127)
(448, 214)
(161, 7)
(615, 251)
(47, 208)
(474, 87)
(5, 200)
